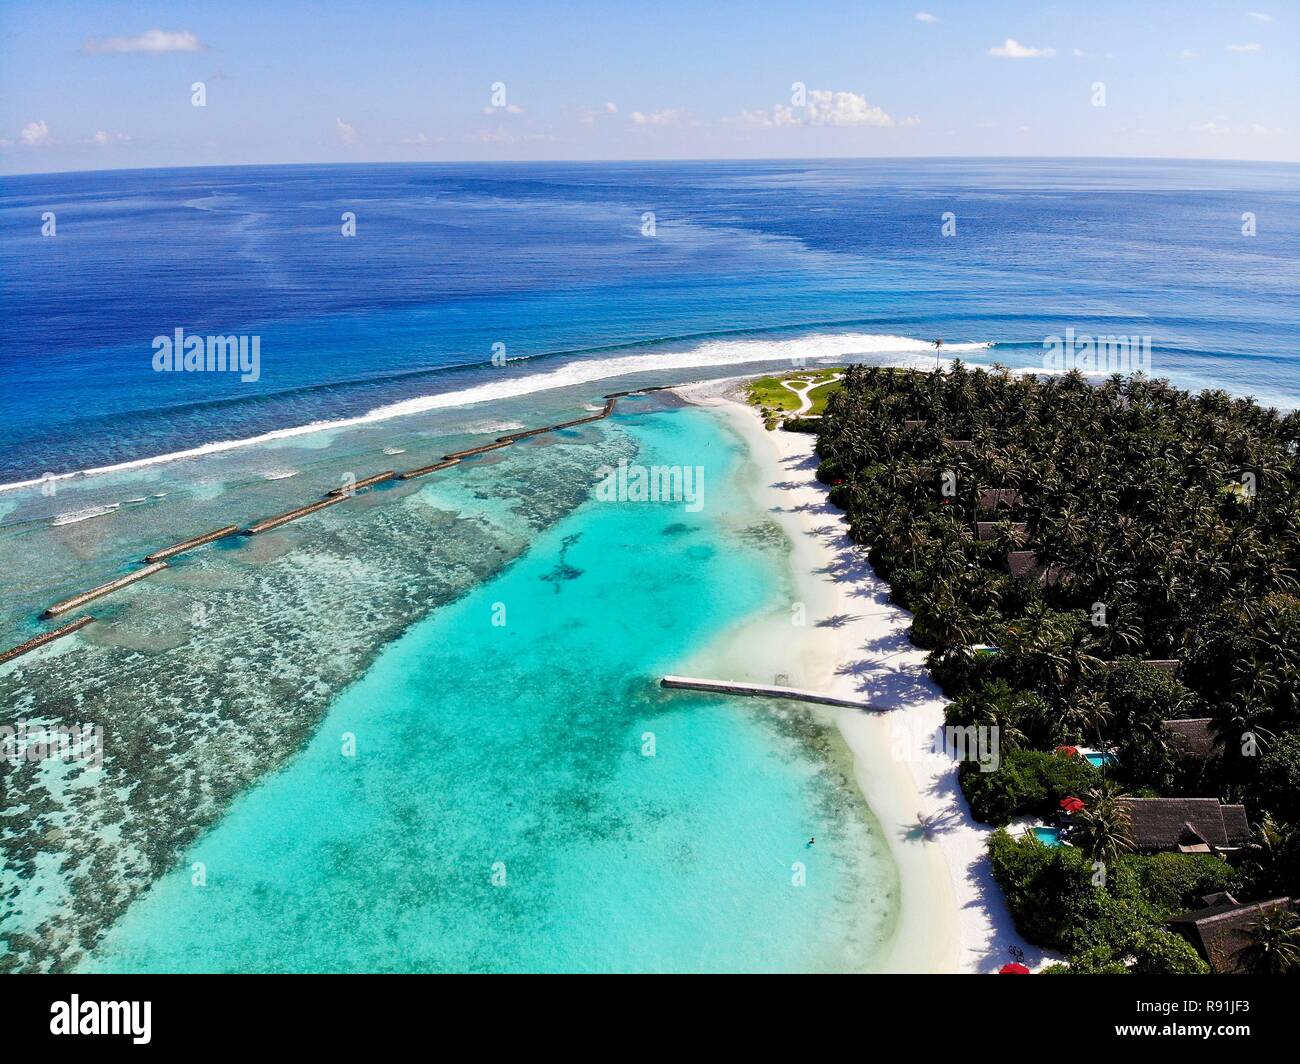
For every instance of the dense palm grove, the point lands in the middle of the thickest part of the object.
(1164, 526)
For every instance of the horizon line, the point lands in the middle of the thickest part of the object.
(661, 161)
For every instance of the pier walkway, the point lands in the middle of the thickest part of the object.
(761, 690)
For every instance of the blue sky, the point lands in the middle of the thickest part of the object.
(96, 85)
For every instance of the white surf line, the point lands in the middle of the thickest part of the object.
(722, 353)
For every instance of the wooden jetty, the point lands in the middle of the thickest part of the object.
(48, 637)
(378, 478)
(759, 690)
(97, 592)
(190, 544)
(292, 515)
(423, 470)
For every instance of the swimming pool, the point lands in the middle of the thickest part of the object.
(1050, 837)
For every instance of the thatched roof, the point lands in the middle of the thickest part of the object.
(1192, 737)
(992, 498)
(989, 529)
(1023, 564)
(1186, 824)
(1220, 932)
(913, 424)
(1167, 665)
(958, 444)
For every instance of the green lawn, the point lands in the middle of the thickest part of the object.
(768, 394)
(820, 394)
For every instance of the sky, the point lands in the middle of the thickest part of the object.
(101, 85)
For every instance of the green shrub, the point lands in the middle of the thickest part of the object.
(1175, 882)
(1160, 952)
(1027, 782)
(800, 424)
(1276, 789)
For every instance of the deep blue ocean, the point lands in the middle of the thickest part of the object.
(554, 263)
(424, 731)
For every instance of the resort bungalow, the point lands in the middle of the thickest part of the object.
(913, 424)
(1185, 825)
(1220, 931)
(985, 530)
(1169, 666)
(1192, 737)
(1023, 564)
(993, 498)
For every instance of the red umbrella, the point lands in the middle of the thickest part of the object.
(1068, 751)
(1014, 969)
(1072, 804)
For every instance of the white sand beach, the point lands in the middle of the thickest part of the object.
(855, 645)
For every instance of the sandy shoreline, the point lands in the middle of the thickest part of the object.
(953, 917)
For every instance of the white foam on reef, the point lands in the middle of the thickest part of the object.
(279, 474)
(820, 347)
(73, 517)
(394, 450)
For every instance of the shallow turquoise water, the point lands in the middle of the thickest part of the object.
(500, 812)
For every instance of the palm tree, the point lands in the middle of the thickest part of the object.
(1102, 829)
(1274, 944)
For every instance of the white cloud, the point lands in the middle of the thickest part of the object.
(1187, 53)
(825, 108)
(508, 109)
(1259, 16)
(347, 133)
(151, 42)
(35, 133)
(672, 116)
(505, 136)
(1245, 47)
(844, 109)
(1218, 127)
(419, 138)
(925, 16)
(588, 115)
(104, 139)
(1013, 49)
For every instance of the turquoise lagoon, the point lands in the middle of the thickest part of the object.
(521, 796)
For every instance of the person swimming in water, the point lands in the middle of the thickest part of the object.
(812, 840)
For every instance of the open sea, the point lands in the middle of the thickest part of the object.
(422, 730)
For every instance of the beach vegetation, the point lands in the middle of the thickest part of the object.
(1132, 551)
